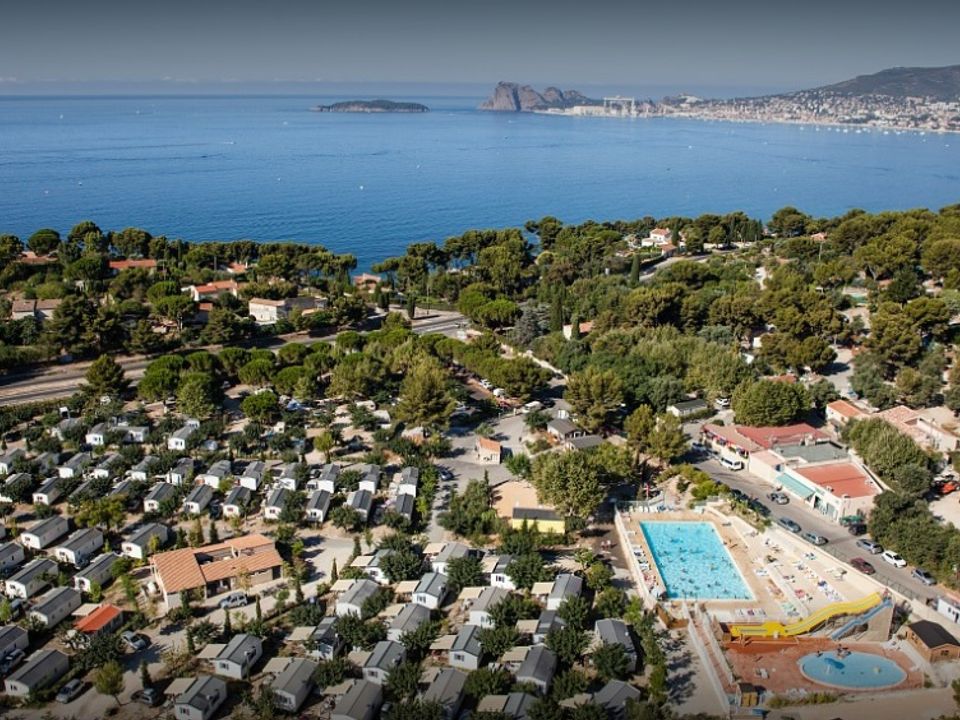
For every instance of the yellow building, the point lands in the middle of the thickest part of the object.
(546, 521)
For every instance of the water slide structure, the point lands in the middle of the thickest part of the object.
(774, 629)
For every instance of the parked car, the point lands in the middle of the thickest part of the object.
(857, 528)
(779, 498)
(722, 403)
(893, 558)
(872, 547)
(70, 691)
(814, 538)
(150, 697)
(234, 600)
(947, 487)
(863, 566)
(11, 661)
(135, 641)
(923, 576)
(789, 524)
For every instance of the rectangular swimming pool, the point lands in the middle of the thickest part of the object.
(693, 561)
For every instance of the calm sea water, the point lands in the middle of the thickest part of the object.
(265, 168)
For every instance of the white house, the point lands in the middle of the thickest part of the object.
(369, 478)
(75, 465)
(466, 651)
(137, 546)
(431, 590)
(480, 609)
(409, 481)
(318, 505)
(498, 573)
(162, 492)
(8, 459)
(79, 547)
(276, 503)
(55, 605)
(44, 533)
(143, 469)
(41, 670)
(292, 685)
(386, 655)
(181, 472)
(97, 435)
(451, 551)
(215, 474)
(362, 502)
(99, 571)
(361, 702)
(49, 491)
(237, 501)
(407, 620)
(327, 479)
(179, 439)
(565, 586)
(351, 602)
(31, 578)
(538, 668)
(289, 476)
(13, 637)
(253, 475)
(201, 699)
(198, 499)
(11, 556)
(236, 659)
(107, 466)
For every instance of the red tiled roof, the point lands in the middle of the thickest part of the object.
(126, 264)
(847, 410)
(98, 619)
(488, 444)
(842, 478)
(180, 569)
(767, 437)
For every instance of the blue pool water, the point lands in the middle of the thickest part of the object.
(856, 670)
(693, 562)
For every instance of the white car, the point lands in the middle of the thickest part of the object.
(891, 557)
(234, 600)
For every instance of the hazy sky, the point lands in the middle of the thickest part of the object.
(632, 43)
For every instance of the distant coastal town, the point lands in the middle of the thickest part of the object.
(913, 99)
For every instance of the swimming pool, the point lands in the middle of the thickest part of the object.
(693, 561)
(855, 670)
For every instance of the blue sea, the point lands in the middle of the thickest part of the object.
(265, 168)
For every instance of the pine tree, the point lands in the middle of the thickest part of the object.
(635, 271)
(104, 377)
(258, 610)
(213, 535)
(334, 573)
(227, 625)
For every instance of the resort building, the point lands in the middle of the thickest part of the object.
(41, 670)
(45, 533)
(447, 690)
(100, 571)
(361, 702)
(292, 685)
(31, 578)
(214, 569)
(236, 659)
(386, 655)
(54, 605)
(104, 620)
(932, 641)
(144, 540)
(201, 698)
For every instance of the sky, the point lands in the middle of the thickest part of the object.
(673, 45)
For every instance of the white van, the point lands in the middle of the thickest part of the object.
(731, 464)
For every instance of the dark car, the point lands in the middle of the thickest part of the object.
(857, 529)
(789, 524)
(863, 566)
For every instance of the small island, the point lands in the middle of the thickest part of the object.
(372, 106)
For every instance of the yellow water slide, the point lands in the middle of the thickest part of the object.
(774, 629)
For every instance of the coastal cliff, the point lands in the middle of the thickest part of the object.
(372, 106)
(512, 97)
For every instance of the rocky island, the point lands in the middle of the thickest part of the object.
(372, 106)
(511, 97)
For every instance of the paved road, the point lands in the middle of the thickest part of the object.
(62, 381)
(842, 545)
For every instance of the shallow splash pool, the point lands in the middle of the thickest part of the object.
(854, 670)
(693, 561)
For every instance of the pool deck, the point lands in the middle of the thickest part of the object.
(788, 580)
(774, 665)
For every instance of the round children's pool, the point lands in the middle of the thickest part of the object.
(852, 670)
